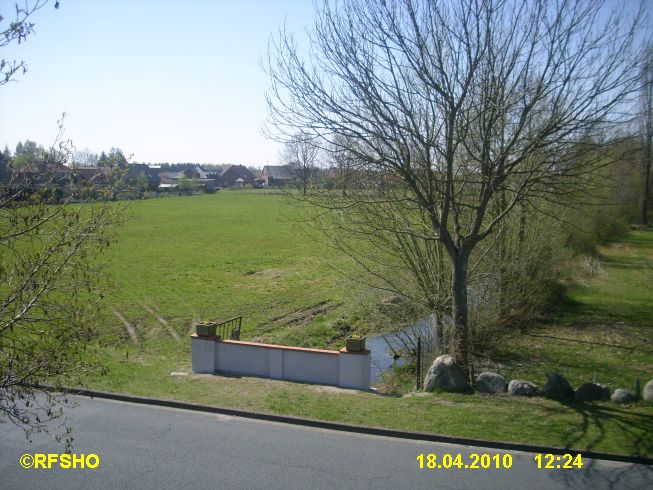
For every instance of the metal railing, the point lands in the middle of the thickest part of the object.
(229, 329)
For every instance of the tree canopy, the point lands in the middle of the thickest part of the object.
(455, 113)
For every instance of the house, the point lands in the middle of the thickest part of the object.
(95, 177)
(200, 180)
(277, 175)
(53, 180)
(86, 174)
(169, 180)
(134, 172)
(195, 173)
(231, 173)
(41, 174)
(214, 174)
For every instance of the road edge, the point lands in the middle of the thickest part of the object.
(358, 429)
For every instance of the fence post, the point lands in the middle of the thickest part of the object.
(418, 380)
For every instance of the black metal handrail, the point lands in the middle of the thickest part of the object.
(229, 329)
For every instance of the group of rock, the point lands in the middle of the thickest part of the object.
(445, 375)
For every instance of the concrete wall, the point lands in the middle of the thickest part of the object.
(344, 369)
(355, 369)
(241, 359)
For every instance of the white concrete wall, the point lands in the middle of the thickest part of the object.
(241, 359)
(314, 367)
(203, 354)
(344, 369)
(355, 369)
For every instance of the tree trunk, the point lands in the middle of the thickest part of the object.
(439, 329)
(646, 188)
(460, 332)
(502, 252)
(644, 207)
(522, 226)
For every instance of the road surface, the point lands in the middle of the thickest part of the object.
(141, 446)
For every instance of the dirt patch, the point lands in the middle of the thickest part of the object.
(618, 246)
(244, 384)
(298, 318)
(432, 398)
(153, 332)
(418, 394)
(273, 273)
(333, 389)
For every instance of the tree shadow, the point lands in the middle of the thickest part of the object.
(640, 239)
(635, 312)
(598, 474)
(587, 342)
(637, 429)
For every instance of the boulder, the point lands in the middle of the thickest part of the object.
(647, 394)
(519, 387)
(557, 387)
(444, 374)
(623, 396)
(491, 383)
(590, 392)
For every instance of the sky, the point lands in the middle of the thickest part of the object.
(163, 80)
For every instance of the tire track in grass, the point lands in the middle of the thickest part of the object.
(128, 326)
(163, 322)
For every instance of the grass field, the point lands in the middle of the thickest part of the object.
(227, 254)
(216, 256)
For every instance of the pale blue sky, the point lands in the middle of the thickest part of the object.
(165, 80)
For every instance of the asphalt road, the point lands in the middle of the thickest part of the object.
(150, 447)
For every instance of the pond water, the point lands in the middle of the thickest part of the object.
(386, 348)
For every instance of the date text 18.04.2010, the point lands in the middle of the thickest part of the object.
(473, 461)
(433, 461)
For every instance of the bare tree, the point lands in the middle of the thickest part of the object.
(50, 234)
(18, 31)
(371, 230)
(646, 133)
(52, 228)
(341, 165)
(455, 109)
(85, 158)
(300, 154)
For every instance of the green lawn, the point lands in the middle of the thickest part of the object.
(222, 255)
(216, 256)
(602, 330)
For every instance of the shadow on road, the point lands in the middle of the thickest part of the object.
(594, 475)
